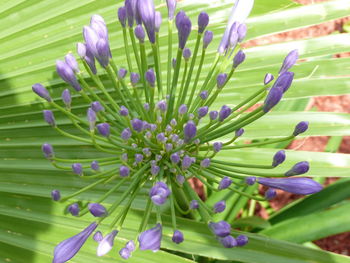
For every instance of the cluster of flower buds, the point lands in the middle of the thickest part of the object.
(149, 138)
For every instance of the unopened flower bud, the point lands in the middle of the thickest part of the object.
(219, 206)
(66, 98)
(74, 209)
(298, 168)
(96, 106)
(77, 168)
(49, 117)
(124, 171)
(221, 80)
(97, 210)
(47, 150)
(270, 193)
(41, 91)
(203, 21)
(56, 195)
(279, 158)
(95, 165)
(224, 183)
(301, 127)
(268, 78)
(208, 37)
(104, 129)
(238, 59)
(194, 205)
(178, 237)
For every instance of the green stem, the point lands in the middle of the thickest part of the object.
(170, 44)
(126, 45)
(158, 69)
(134, 46)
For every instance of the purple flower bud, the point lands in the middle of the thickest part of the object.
(74, 209)
(228, 241)
(202, 111)
(171, 8)
(140, 33)
(221, 80)
(186, 162)
(67, 74)
(104, 129)
(186, 53)
(130, 245)
(183, 109)
(203, 95)
(87, 56)
(55, 195)
(194, 205)
(134, 78)
(300, 186)
(146, 106)
(77, 168)
(97, 19)
(180, 179)
(49, 117)
(217, 146)
(190, 131)
(184, 30)
(161, 137)
(173, 122)
(162, 105)
(242, 240)
(250, 180)
(179, 16)
(233, 38)
(125, 253)
(138, 157)
(66, 98)
(97, 210)
(47, 150)
(220, 229)
(97, 236)
(124, 171)
(274, 96)
(289, 61)
(122, 16)
(158, 21)
(95, 166)
(122, 73)
(219, 206)
(151, 238)
(106, 244)
(242, 31)
(301, 127)
(205, 163)
(270, 194)
(147, 152)
(67, 249)
(238, 59)
(298, 168)
(213, 115)
(174, 137)
(268, 78)
(203, 21)
(124, 157)
(96, 106)
(103, 52)
(81, 50)
(123, 111)
(41, 91)
(137, 124)
(72, 62)
(91, 116)
(155, 169)
(178, 237)
(175, 158)
(279, 158)
(208, 37)
(126, 134)
(284, 81)
(147, 13)
(224, 183)
(151, 77)
(239, 132)
(225, 111)
(159, 193)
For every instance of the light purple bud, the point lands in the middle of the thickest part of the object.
(87, 56)
(239, 132)
(146, 10)
(77, 168)
(72, 62)
(67, 74)
(47, 150)
(91, 116)
(186, 162)
(159, 193)
(125, 253)
(284, 81)
(203, 21)
(242, 31)
(158, 21)
(41, 91)
(175, 158)
(97, 210)
(95, 165)
(81, 50)
(179, 16)
(228, 241)
(238, 59)
(220, 229)
(122, 16)
(130, 245)
(162, 105)
(155, 169)
(186, 53)
(104, 129)
(126, 134)
(213, 115)
(153, 127)
(270, 193)
(203, 95)
(146, 106)
(278, 158)
(140, 33)
(194, 205)
(122, 73)
(190, 131)
(173, 122)
(301, 127)
(123, 111)
(225, 111)
(161, 137)
(137, 125)
(151, 77)
(106, 244)
(91, 39)
(171, 4)
(55, 195)
(103, 52)
(96, 106)
(274, 96)
(225, 183)
(220, 206)
(184, 31)
(134, 78)
(242, 240)
(233, 39)
(66, 98)
(180, 179)
(298, 168)
(138, 157)
(168, 147)
(174, 137)
(180, 142)
(208, 37)
(124, 171)
(205, 163)
(178, 237)
(49, 117)
(268, 78)
(74, 209)
(202, 111)
(289, 61)
(97, 236)
(250, 180)
(221, 80)
(151, 238)
(183, 109)
(217, 146)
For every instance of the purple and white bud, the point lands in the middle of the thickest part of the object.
(173, 122)
(77, 168)
(205, 163)
(159, 193)
(67, 74)
(47, 150)
(274, 96)
(180, 179)
(225, 183)
(190, 131)
(162, 105)
(138, 157)
(151, 77)
(289, 61)
(87, 56)
(250, 180)
(106, 244)
(146, 11)
(103, 52)
(122, 16)
(41, 91)
(221, 80)
(225, 111)
(175, 158)
(95, 166)
(91, 117)
(137, 125)
(203, 21)
(220, 229)
(168, 147)
(268, 78)
(66, 98)
(301, 127)
(130, 245)
(242, 240)
(155, 169)
(284, 81)
(278, 158)
(56, 195)
(219, 206)
(147, 152)
(125, 253)
(123, 111)
(151, 238)
(238, 59)
(203, 95)
(74, 209)
(217, 146)
(171, 4)
(49, 117)
(124, 171)
(186, 53)
(97, 236)
(270, 194)
(174, 137)
(161, 137)
(97, 210)
(96, 106)
(194, 205)
(134, 78)
(208, 37)
(186, 162)
(140, 33)
(184, 30)
(104, 129)
(81, 50)
(158, 21)
(122, 73)
(213, 115)
(202, 111)
(126, 134)
(242, 32)
(298, 168)
(178, 237)
(72, 62)
(183, 109)
(228, 241)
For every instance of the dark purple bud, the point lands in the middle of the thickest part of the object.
(242, 240)
(159, 193)
(41, 91)
(151, 77)
(217, 146)
(225, 111)
(220, 229)
(208, 37)
(74, 209)
(155, 169)
(147, 13)
(55, 195)
(219, 206)
(203, 95)
(224, 183)
(77, 168)
(122, 73)
(221, 80)
(140, 33)
(298, 168)
(91, 116)
(178, 237)
(203, 21)
(228, 241)
(202, 111)
(301, 127)
(134, 78)
(97, 236)
(279, 158)
(268, 78)
(190, 131)
(67, 74)
(72, 62)
(66, 98)
(183, 109)
(123, 111)
(250, 180)
(213, 115)
(151, 238)
(49, 117)
(184, 31)
(67, 249)
(158, 21)
(186, 54)
(125, 253)
(239, 132)
(186, 162)
(289, 61)
(47, 150)
(270, 194)
(300, 186)
(179, 16)
(124, 171)
(104, 129)
(180, 179)
(241, 31)
(205, 163)
(284, 81)
(274, 96)
(106, 244)
(194, 205)
(171, 8)
(175, 158)
(96, 106)
(238, 59)
(95, 166)
(122, 16)
(97, 210)
(103, 52)
(126, 134)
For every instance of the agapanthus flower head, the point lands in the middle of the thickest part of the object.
(279, 158)
(203, 21)
(208, 37)
(41, 91)
(300, 128)
(178, 237)
(298, 168)
(106, 244)
(151, 238)
(55, 195)
(97, 210)
(289, 61)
